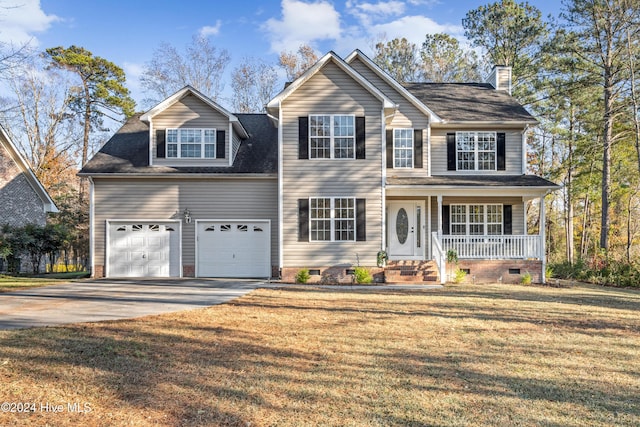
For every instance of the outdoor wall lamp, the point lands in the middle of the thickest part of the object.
(187, 216)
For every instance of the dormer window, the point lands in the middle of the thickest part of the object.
(188, 143)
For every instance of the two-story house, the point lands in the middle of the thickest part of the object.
(345, 164)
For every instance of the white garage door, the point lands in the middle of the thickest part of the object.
(234, 248)
(143, 250)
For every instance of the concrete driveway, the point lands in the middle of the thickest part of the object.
(97, 300)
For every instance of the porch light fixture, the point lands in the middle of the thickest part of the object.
(187, 216)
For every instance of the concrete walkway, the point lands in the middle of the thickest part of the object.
(97, 300)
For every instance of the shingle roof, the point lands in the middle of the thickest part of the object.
(469, 102)
(128, 151)
(476, 181)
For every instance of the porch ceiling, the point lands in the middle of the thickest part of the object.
(526, 186)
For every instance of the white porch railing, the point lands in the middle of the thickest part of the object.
(440, 257)
(490, 247)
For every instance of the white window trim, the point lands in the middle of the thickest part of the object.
(468, 223)
(333, 219)
(476, 152)
(202, 143)
(332, 138)
(411, 148)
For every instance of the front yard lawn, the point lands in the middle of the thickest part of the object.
(10, 283)
(462, 355)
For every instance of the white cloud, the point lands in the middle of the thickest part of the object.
(367, 13)
(414, 28)
(19, 23)
(207, 30)
(303, 23)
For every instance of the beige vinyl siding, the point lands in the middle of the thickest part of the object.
(141, 199)
(190, 112)
(407, 116)
(517, 213)
(236, 141)
(513, 152)
(331, 91)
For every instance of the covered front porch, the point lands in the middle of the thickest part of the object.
(478, 223)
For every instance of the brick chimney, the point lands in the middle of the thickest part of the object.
(500, 78)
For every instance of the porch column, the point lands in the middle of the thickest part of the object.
(543, 250)
(439, 215)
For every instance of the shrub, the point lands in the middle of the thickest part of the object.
(526, 278)
(459, 275)
(302, 276)
(362, 275)
(548, 272)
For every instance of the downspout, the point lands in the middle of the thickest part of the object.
(384, 181)
(280, 192)
(92, 230)
(151, 141)
(524, 149)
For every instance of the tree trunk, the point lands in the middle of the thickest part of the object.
(607, 139)
(85, 137)
(569, 199)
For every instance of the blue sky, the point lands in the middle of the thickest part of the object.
(127, 31)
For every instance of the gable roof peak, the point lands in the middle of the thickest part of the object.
(190, 90)
(274, 105)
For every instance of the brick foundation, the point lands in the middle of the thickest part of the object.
(496, 271)
(188, 271)
(336, 274)
(98, 271)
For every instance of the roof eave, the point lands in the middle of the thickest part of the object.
(247, 175)
(447, 123)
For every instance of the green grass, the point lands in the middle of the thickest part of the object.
(11, 283)
(462, 355)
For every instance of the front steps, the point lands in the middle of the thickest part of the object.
(411, 272)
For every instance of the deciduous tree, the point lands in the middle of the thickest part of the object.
(296, 63)
(201, 65)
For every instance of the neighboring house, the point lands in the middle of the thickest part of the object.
(346, 163)
(23, 199)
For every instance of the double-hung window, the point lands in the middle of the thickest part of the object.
(332, 219)
(476, 219)
(332, 136)
(191, 143)
(403, 148)
(476, 151)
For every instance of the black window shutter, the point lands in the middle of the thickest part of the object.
(390, 149)
(361, 220)
(417, 148)
(445, 219)
(451, 151)
(303, 137)
(160, 144)
(360, 138)
(220, 144)
(507, 219)
(303, 220)
(502, 149)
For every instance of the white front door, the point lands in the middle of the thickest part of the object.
(404, 229)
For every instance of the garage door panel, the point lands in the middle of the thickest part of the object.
(143, 250)
(234, 249)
